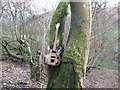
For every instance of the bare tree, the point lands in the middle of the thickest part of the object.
(102, 25)
(19, 46)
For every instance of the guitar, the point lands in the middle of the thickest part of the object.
(53, 58)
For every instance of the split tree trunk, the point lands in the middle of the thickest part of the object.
(70, 73)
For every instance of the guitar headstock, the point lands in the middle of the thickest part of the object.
(57, 25)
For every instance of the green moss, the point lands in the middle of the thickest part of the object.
(58, 17)
(62, 77)
(76, 49)
(67, 74)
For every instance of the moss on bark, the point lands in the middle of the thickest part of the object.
(69, 75)
(76, 48)
(62, 77)
(58, 17)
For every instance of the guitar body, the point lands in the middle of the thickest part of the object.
(53, 59)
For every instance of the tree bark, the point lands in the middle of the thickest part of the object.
(79, 37)
(70, 73)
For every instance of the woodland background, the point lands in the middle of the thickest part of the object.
(19, 22)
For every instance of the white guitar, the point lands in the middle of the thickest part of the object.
(53, 57)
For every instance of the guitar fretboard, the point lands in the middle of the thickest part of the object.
(56, 35)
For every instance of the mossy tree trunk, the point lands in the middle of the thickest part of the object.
(58, 17)
(70, 73)
(79, 37)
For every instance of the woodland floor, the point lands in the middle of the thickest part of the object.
(102, 78)
(16, 74)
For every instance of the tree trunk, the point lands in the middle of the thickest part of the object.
(79, 37)
(69, 74)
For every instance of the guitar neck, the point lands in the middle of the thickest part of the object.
(55, 40)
